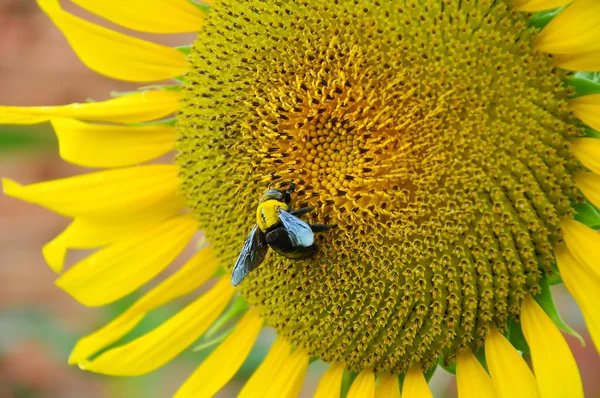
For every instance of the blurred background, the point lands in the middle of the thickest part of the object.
(39, 323)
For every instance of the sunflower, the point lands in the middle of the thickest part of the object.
(451, 143)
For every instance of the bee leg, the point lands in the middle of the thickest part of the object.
(320, 227)
(289, 192)
(301, 212)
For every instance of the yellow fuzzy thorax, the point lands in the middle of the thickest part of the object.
(267, 214)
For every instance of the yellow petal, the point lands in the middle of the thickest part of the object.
(103, 146)
(121, 268)
(574, 30)
(131, 192)
(415, 385)
(538, 5)
(331, 382)
(222, 364)
(87, 234)
(584, 288)
(471, 378)
(587, 150)
(156, 16)
(287, 382)
(555, 368)
(264, 375)
(138, 107)
(587, 109)
(115, 54)
(584, 243)
(363, 386)
(189, 277)
(388, 387)
(510, 374)
(589, 185)
(164, 343)
(583, 62)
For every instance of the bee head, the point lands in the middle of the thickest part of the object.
(273, 194)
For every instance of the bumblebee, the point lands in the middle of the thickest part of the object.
(280, 228)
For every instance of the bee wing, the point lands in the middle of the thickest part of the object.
(299, 232)
(252, 255)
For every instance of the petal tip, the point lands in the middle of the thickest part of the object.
(74, 358)
(11, 188)
(67, 286)
(83, 365)
(54, 253)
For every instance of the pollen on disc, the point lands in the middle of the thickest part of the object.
(431, 134)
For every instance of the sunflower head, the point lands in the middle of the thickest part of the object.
(443, 162)
(445, 140)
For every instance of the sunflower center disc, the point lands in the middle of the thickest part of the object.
(432, 134)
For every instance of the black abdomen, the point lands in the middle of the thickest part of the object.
(279, 240)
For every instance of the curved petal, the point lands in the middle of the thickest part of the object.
(584, 243)
(330, 385)
(121, 268)
(589, 185)
(164, 343)
(262, 378)
(190, 276)
(158, 16)
(587, 150)
(388, 387)
(587, 109)
(139, 107)
(575, 30)
(222, 364)
(471, 378)
(88, 234)
(581, 62)
(104, 146)
(287, 382)
(510, 374)
(538, 5)
(115, 54)
(555, 368)
(415, 385)
(132, 192)
(584, 288)
(363, 386)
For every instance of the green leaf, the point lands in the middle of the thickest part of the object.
(554, 279)
(165, 87)
(205, 8)
(184, 49)
(546, 301)
(583, 86)
(589, 133)
(429, 374)
(238, 307)
(480, 355)
(450, 369)
(541, 19)
(587, 214)
(347, 380)
(517, 339)
(593, 76)
(210, 343)
(168, 122)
